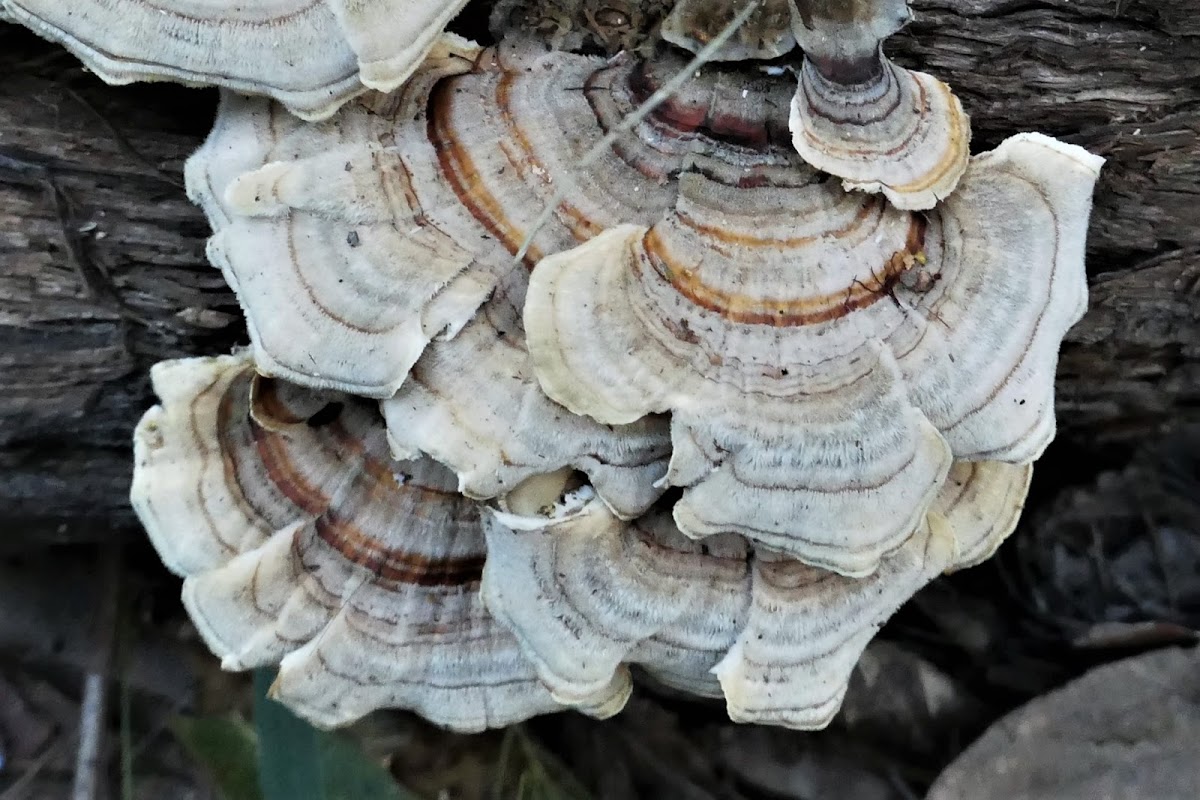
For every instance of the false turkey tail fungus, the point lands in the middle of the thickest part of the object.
(523, 409)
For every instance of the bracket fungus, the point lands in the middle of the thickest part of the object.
(845, 393)
(856, 115)
(343, 274)
(823, 354)
(586, 594)
(304, 544)
(311, 55)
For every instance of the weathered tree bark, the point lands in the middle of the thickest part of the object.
(102, 270)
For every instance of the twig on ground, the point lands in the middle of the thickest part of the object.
(89, 758)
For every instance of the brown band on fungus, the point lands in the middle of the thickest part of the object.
(362, 584)
(524, 159)
(460, 171)
(267, 408)
(394, 564)
(856, 115)
(780, 313)
(684, 113)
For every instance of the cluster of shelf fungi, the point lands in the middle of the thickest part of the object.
(779, 355)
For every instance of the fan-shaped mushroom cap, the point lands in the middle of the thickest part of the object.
(344, 274)
(767, 34)
(303, 543)
(823, 353)
(586, 594)
(856, 115)
(311, 55)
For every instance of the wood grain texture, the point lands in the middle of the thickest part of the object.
(102, 270)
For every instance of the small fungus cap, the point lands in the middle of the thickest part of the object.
(982, 502)
(856, 115)
(311, 55)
